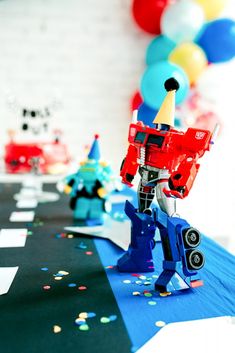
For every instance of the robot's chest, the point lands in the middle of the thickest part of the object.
(162, 155)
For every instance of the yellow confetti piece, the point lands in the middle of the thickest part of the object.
(57, 329)
(83, 315)
(64, 273)
(58, 278)
(136, 293)
(160, 323)
(70, 236)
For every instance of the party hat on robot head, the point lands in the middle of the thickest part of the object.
(95, 150)
(166, 113)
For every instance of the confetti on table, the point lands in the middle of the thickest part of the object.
(58, 278)
(70, 236)
(160, 323)
(79, 321)
(44, 269)
(56, 329)
(82, 288)
(46, 287)
(83, 315)
(90, 315)
(126, 281)
(71, 285)
(113, 317)
(142, 277)
(81, 246)
(84, 327)
(89, 253)
(63, 273)
(147, 294)
(135, 293)
(104, 320)
(152, 302)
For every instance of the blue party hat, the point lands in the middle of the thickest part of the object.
(95, 150)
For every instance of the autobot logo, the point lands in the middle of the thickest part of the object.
(199, 135)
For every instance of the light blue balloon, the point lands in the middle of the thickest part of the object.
(159, 49)
(152, 83)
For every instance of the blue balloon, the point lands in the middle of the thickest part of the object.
(218, 40)
(152, 83)
(159, 49)
(146, 114)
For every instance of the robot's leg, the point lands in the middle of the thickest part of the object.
(96, 212)
(81, 209)
(167, 204)
(138, 258)
(182, 259)
(145, 196)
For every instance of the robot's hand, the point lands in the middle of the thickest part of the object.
(102, 192)
(127, 179)
(173, 193)
(67, 189)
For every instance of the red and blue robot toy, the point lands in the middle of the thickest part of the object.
(167, 161)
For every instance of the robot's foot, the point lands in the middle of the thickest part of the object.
(170, 281)
(128, 263)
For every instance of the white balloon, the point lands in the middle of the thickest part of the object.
(216, 83)
(182, 21)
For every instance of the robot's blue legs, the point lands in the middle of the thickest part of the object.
(139, 255)
(181, 258)
(179, 241)
(89, 210)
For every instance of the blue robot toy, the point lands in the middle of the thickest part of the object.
(90, 188)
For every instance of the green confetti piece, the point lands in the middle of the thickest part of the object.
(84, 327)
(104, 320)
(148, 294)
(151, 302)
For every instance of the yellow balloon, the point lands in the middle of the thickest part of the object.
(212, 8)
(191, 58)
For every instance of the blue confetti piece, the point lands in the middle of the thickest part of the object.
(89, 315)
(72, 285)
(44, 269)
(113, 317)
(81, 246)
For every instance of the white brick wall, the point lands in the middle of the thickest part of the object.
(87, 53)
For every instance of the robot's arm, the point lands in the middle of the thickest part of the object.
(181, 181)
(129, 166)
(195, 143)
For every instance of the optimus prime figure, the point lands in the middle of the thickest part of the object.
(167, 160)
(90, 187)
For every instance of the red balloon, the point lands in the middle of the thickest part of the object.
(147, 14)
(136, 101)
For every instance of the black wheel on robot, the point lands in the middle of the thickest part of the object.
(191, 237)
(195, 259)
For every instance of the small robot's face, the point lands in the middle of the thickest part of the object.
(90, 170)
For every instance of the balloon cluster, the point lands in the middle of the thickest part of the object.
(188, 39)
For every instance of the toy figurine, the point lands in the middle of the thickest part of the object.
(167, 160)
(90, 187)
